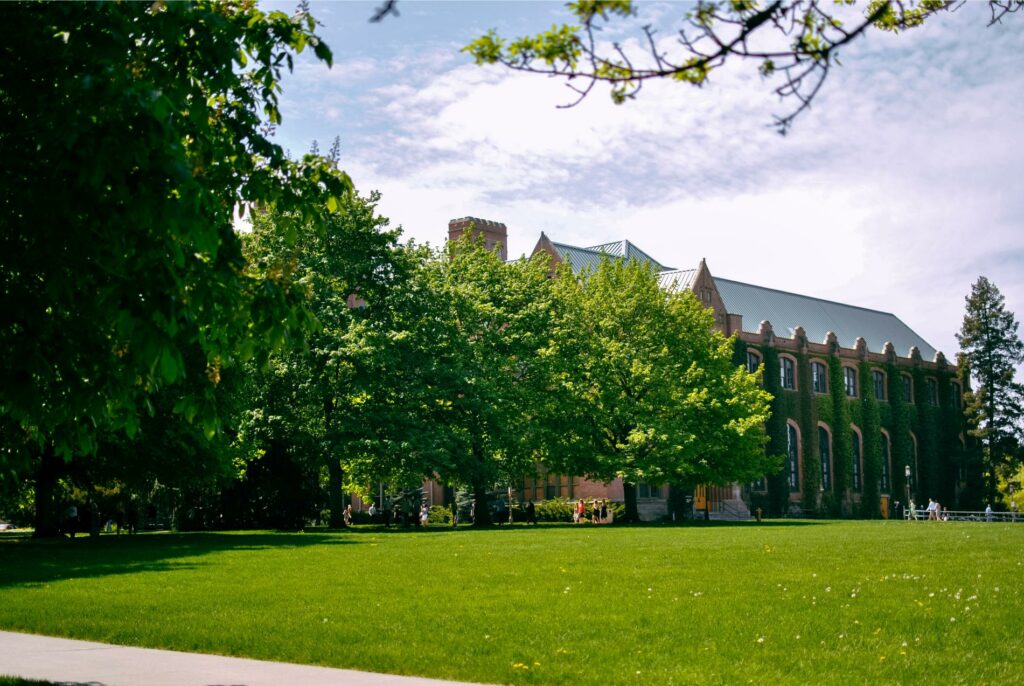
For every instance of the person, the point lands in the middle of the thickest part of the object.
(531, 513)
(424, 514)
(988, 512)
(372, 511)
(595, 512)
(1013, 510)
(347, 515)
(912, 509)
(472, 511)
(932, 514)
(898, 509)
(604, 511)
(581, 510)
(71, 521)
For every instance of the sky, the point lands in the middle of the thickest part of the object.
(897, 189)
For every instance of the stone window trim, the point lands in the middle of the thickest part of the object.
(819, 376)
(858, 457)
(794, 468)
(885, 485)
(908, 387)
(826, 456)
(880, 381)
(850, 381)
(754, 360)
(788, 378)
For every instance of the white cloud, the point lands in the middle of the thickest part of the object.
(895, 191)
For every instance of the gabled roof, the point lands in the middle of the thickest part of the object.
(589, 258)
(676, 280)
(786, 311)
(755, 304)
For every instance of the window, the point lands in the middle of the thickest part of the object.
(787, 375)
(557, 486)
(825, 450)
(759, 484)
(819, 377)
(878, 378)
(646, 490)
(793, 461)
(908, 388)
(856, 460)
(933, 391)
(885, 464)
(753, 361)
(850, 381)
(957, 393)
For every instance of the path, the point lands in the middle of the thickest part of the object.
(84, 663)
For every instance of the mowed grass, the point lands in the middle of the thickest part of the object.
(783, 603)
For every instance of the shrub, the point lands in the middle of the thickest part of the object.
(439, 514)
(556, 510)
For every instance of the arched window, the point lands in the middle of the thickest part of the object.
(793, 457)
(933, 391)
(878, 379)
(819, 377)
(957, 394)
(850, 381)
(908, 388)
(787, 373)
(825, 450)
(858, 455)
(884, 483)
(753, 361)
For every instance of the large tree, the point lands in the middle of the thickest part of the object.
(308, 402)
(994, 352)
(132, 134)
(490, 374)
(650, 387)
(793, 43)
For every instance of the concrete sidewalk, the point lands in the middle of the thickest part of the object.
(84, 663)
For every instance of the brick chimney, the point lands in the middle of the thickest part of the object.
(495, 233)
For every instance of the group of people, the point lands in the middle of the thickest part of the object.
(933, 512)
(599, 512)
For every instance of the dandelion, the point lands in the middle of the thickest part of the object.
(519, 665)
(798, 637)
(536, 664)
(760, 640)
(881, 658)
(952, 619)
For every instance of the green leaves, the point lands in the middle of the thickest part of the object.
(136, 128)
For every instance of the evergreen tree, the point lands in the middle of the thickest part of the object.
(993, 351)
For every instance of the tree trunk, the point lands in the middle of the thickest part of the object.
(47, 518)
(336, 478)
(482, 504)
(632, 514)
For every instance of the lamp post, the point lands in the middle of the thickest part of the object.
(906, 473)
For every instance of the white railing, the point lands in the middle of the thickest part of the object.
(965, 516)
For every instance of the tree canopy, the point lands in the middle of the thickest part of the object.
(794, 44)
(993, 351)
(652, 390)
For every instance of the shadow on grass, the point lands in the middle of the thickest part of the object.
(26, 561)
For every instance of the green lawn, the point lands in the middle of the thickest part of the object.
(784, 603)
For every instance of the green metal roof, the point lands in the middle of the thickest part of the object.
(584, 258)
(676, 280)
(786, 311)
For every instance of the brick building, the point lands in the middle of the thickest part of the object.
(865, 411)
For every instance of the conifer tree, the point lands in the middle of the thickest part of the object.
(993, 351)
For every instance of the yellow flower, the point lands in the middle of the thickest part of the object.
(519, 665)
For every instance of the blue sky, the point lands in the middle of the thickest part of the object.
(895, 191)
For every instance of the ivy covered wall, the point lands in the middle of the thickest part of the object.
(943, 461)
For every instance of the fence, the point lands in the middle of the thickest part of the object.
(965, 516)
